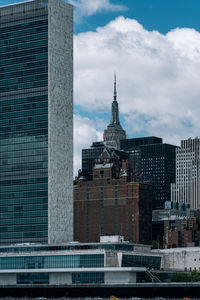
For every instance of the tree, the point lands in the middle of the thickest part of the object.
(155, 245)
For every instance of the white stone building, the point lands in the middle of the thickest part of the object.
(186, 189)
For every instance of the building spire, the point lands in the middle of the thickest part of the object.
(114, 132)
(115, 111)
(115, 88)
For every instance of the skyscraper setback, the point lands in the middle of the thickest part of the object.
(36, 74)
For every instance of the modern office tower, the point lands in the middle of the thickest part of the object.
(186, 189)
(114, 132)
(156, 161)
(36, 73)
(112, 203)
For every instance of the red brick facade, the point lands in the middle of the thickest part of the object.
(185, 233)
(112, 204)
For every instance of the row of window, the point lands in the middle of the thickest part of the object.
(24, 100)
(152, 262)
(52, 262)
(24, 25)
(27, 45)
(25, 66)
(28, 149)
(26, 72)
(23, 167)
(23, 39)
(24, 228)
(24, 139)
(9, 236)
(23, 113)
(25, 194)
(24, 32)
(20, 221)
(88, 277)
(23, 79)
(33, 278)
(24, 214)
(24, 127)
(20, 107)
(19, 249)
(22, 53)
(43, 278)
(22, 160)
(7, 137)
(23, 86)
(25, 207)
(28, 59)
(25, 187)
(21, 201)
(19, 121)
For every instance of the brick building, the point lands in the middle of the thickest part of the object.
(182, 233)
(112, 203)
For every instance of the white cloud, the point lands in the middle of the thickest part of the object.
(86, 8)
(158, 77)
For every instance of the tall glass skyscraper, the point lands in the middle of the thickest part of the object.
(36, 122)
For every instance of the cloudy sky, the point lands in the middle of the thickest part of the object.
(154, 46)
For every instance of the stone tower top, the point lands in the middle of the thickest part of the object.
(114, 132)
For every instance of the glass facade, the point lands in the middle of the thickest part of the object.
(88, 277)
(109, 246)
(156, 161)
(152, 262)
(88, 158)
(33, 278)
(52, 262)
(24, 122)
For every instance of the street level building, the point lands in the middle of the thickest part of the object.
(162, 219)
(112, 261)
(36, 73)
(186, 188)
(182, 233)
(156, 161)
(112, 203)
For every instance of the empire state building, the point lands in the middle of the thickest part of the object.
(114, 132)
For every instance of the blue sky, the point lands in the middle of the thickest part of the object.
(154, 46)
(161, 15)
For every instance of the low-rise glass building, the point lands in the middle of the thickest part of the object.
(76, 263)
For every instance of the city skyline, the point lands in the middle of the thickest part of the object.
(153, 47)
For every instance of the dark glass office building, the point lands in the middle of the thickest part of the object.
(156, 161)
(89, 157)
(32, 97)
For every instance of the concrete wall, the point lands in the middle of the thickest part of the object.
(181, 259)
(119, 277)
(60, 122)
(60, 278)
(111, 259)
(8, 279)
